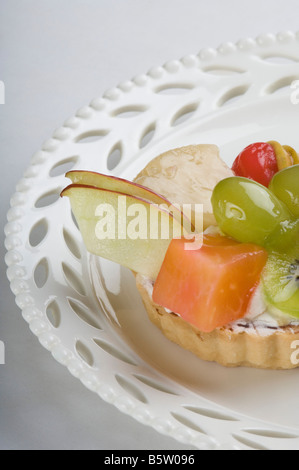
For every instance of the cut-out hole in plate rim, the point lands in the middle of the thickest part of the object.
(114, 351)
(91, 136)
(222, 70)
(283, 84)
(84, 352)
(184, 114)
(131, 388)
(154, 384)
(48, 198)
(53, 313)
(147, 135)
(85, 313)
(41, 273)
(188, 423)
(249, 444)
(73, 279)
(129, 112)
(63, 166)
(114, 157)
(38, 232)
(210, 413)
(277, 59)
(233, 95)
(174, 88)
(71, 243)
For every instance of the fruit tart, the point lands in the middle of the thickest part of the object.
(224, 286)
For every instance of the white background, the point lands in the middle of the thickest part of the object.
(55, 56)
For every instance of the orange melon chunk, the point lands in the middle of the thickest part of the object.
(211, 286)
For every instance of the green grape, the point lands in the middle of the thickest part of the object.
(285, 185)
(251, 213)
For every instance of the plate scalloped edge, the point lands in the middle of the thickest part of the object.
(47, 172)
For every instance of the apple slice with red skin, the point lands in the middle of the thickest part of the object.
(113, 183)
(126, 229)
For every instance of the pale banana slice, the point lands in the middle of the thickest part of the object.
(187, 175)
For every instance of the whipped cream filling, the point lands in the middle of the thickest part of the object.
(257, 320)
(258, 317)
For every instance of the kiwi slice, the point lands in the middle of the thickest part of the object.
(280, 283)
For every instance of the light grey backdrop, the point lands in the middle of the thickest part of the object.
(55, 56)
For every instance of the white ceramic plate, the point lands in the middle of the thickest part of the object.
(86, 311)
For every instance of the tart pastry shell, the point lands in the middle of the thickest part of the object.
(227, 346)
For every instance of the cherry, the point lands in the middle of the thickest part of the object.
(257, 162)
